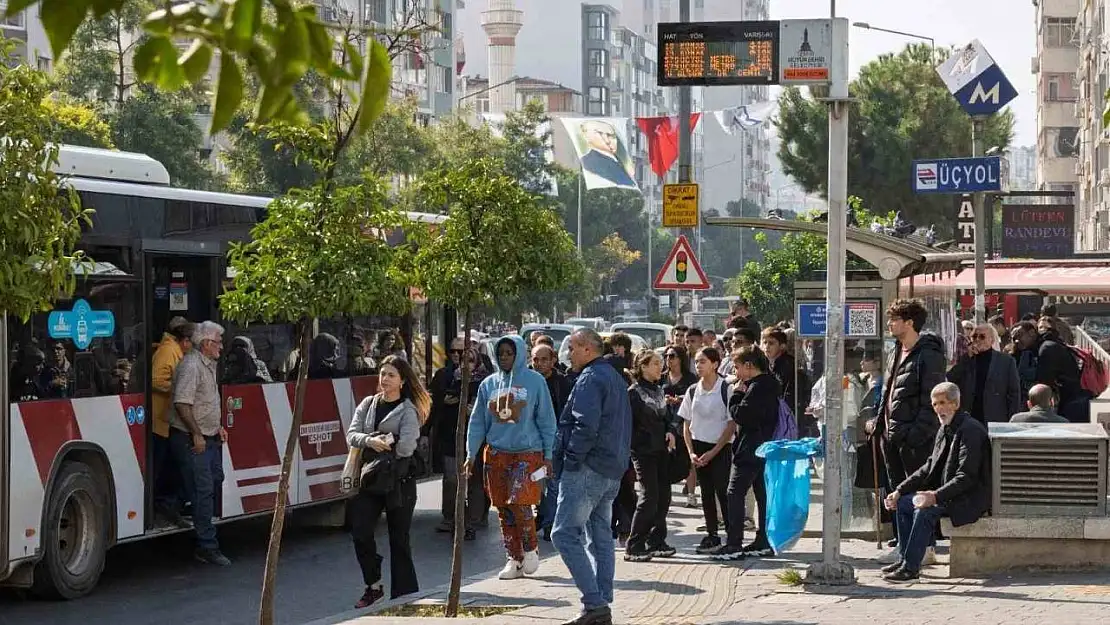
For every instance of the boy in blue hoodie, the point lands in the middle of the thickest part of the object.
(513, 415)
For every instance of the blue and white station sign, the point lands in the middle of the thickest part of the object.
(976, 81)
(960, 175)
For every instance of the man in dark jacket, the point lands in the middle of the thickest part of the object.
(1025, 339)
(784, 368)
(591, 454)
(955, 482)
(905, 417)
(988, 379)
(1042, 407)
(1058, 368)
(756, 413)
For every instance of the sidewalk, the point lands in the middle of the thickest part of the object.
(690, 589)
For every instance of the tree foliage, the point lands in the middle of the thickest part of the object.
(609, 259)
(40, 220)
(95, 66)
(904, 112)
(278, 46)
(161, 126)
(78, 124)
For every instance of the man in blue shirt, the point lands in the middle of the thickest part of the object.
(592, 448)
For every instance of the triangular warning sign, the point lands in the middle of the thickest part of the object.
(682, 271)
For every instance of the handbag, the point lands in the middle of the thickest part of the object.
(352, 470)
(378, 475)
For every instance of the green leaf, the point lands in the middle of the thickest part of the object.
(244, 20)
(196, 60)
(156, 62)
(296, 48)
(15, 6)
(103, 7)
(375, 90)
(271, 101)
(229, 93)
(60, 19)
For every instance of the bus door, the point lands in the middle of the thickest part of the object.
(182, 280)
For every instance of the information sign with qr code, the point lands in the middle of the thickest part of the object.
(861, 319)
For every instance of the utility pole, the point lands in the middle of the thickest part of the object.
(685, 143)
(980, 230)
(831, 569)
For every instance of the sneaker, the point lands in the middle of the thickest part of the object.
(662, 551)
(512, 570)
(597, 616)
(901, 575)
(531, 562)
(446, 526)
(547, 534)
(637, 556)
(708, 545)
(211, 556)
(691, 500)
(890, 568)
(889, 557)
(749, 525)
(372, 595)
(892, 543)
(729, 552)
(759, 550)
(930, 556)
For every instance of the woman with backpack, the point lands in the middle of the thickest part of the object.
(386, 426)
(652, 441)
(708, 430)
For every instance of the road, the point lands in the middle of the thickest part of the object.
(158, 581)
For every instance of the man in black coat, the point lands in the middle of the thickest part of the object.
(756, 412)
(954, 482)
(988, 379)
(1058, 368)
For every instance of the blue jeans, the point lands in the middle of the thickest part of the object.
(200, 472)
(548, 504)
(917, 529)
(583, 533)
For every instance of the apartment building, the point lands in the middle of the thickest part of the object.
(1093, 144)
(25, 29)
(1056, 64)
(557, 99)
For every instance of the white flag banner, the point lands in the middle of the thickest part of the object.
(496, 122)
(746, 116)
(601, 144)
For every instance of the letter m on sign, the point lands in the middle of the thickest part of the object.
(982, 95)
(987, 93)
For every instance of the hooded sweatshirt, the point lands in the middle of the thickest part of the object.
(513, 410)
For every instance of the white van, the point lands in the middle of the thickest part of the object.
(655, 335)
(597, 324)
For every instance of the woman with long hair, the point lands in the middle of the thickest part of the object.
(652, 441)
(679, 378)
(708, 430)
(387, 426)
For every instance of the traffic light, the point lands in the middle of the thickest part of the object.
(680, 267)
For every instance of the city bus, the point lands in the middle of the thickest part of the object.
(75, 398)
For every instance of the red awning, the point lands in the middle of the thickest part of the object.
(1050, 279)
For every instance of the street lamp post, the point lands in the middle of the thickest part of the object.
(932, 42)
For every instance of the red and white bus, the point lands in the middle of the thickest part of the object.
(75, 453)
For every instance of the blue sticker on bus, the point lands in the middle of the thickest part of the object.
(82, 324)
(140, 415)
(130, 415)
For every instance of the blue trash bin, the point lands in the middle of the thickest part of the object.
(787, 478)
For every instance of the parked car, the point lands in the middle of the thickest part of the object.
(596, 324)
(655, 335)
(557, 331)
(638, 343)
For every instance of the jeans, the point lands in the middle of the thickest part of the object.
(713, 479)
(744, 477)
(477, 502)
(583, 535)
(545, 517)
(917, 529)
(649, 522)
(200, 473)
(365, 510)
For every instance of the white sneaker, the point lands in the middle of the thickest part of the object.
(930, 557)
(691, 500)
(512, 570)
(531, 562)
(889, 557)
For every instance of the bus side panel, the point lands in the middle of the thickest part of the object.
(116, 424)
(322, 440)
(26, 492)
(257, 418)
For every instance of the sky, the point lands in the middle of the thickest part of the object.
(548, 45)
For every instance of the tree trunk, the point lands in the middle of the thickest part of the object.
(452, 609)
(269, 576)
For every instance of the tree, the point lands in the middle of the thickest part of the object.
(725, 250)
(95, 64)
(40, 221)
(609, 259)
(318, 254)
(497, 242)
(527, 135)
(904, 112)
(78, 124)
(278, 46)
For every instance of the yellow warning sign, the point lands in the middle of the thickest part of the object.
(680, 205)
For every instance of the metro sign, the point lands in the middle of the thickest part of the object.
(976, 81)
(926, 176)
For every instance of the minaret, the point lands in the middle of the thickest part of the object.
(502, 21)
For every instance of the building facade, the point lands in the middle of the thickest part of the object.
(25, 29)
(556, 99)
(1056, 63)
(1093, 145)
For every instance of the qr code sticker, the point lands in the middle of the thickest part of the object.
(863, 320)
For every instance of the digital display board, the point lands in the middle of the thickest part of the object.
(718, 53)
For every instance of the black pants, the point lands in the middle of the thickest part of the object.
(649, 522)
(901, 461)
(624, 506)
(713, 480)
(365, 510)
(741, 478)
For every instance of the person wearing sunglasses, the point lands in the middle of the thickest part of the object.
(678, 378)
(990, 389)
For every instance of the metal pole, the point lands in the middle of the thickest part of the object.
(980, 232)
(685, 147)
(832, 570)
(578, 307)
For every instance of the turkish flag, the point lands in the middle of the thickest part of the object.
(662, 136)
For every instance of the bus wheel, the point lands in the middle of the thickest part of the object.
(75, 535)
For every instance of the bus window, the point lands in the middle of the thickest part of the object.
(258, 353)
(74, 358)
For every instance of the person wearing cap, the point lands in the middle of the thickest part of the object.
(176, 341)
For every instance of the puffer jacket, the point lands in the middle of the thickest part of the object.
(907, 393)
(650, 418)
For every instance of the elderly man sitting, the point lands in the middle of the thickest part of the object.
(954, 482)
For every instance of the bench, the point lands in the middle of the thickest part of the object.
(994, 545)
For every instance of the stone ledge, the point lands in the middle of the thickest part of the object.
(1078, 528)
